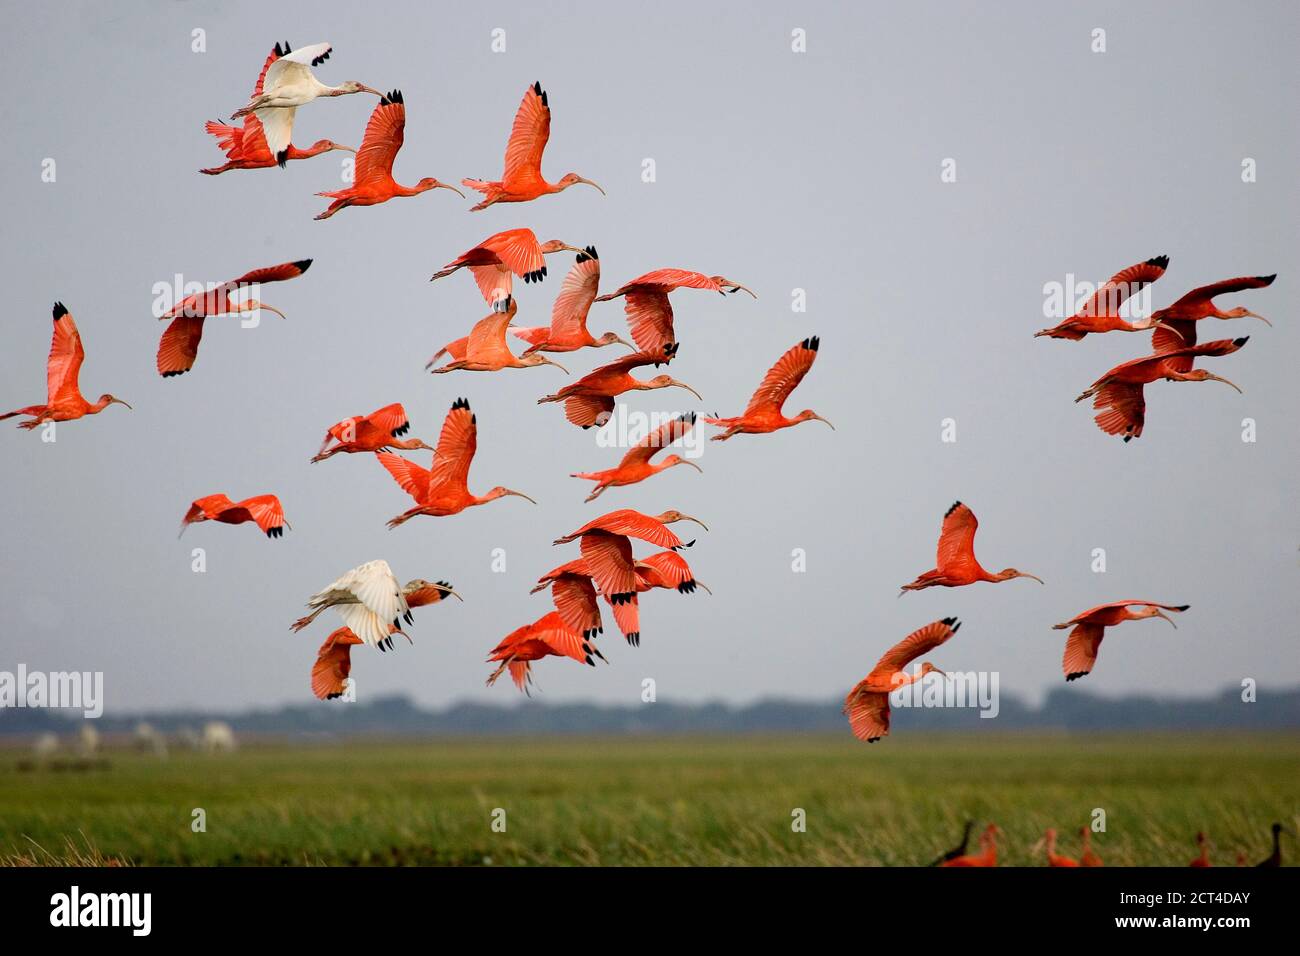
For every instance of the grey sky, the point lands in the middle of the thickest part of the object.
(817, 171)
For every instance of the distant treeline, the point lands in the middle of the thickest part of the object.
(1065, 709)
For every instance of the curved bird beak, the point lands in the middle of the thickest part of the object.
(349, 149)
(1167, 618)
(287, 525)
(1256, 315)
(271, 308)
(696, 520)
(622, 341)
(1218, 378)
(556, 364)
(701, 584)
(935, 670)
(453, 594)
(1026, 574)
(686, 461)
(687, 387)
(820, 419)
(118, 401)
(451, 187)
(519, 494)
(366, 89)
(590, 183)
(741, 288)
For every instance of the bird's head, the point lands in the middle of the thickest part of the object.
(808, 415)
(420, 592)
(613, 338)
(353, 86)
(328, 145)
(668, 517)
(558, 245)
(537, 358)
(1240, 313)
(500, 491)
(1145, 612)
(1009, 573)
(731, 286)
(428, 182)
(928, 668)
(667, 381)
(672, 460)
(106, 399)
(1201, 375)
(571, 179)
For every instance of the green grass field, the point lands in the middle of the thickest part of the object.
(663, 802)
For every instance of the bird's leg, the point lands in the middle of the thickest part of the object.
(596, 494)
(302, 622)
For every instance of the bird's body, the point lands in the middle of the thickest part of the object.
(867, 705)
(568, 329)
(1088, 628)
(955, 562)
(1274, 859)
(485, 348)
(287, 84)
(265, 510)
(988, 855)
(1179, 320)
(178, 348)
(245, 146)
(1118, 395)
(590, 400)
(492, 263)
(372, 603)
(381, 430)
(636, 465)
(1202, 859)
(63, 399)
(443, 489)
(334, 659)
(1087, 855)
(650, 314)
(1054, 858)
(763, 413)
(1101, 312)
(523, 180)
(959, 850)
(372, 181)
(546, 637)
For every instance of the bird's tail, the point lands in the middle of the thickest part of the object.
(228, 137)
(29, 410)
(480, 185)
(535, 337)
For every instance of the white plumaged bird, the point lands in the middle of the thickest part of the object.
(289, 84)
(369, 600)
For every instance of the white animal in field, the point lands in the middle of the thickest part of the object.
(218, 737)
(45, 746)
(289, 83)
(369, 600)
(148, 740)
(87, 740)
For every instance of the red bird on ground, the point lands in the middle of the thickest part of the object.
(63, 399)
(546, 637)
(590, 400)
(1087, 857)
(372, 181)
(568, 329)
(1101, 312)
(263, 509)
(179, 346)
(649, 313)
(1203, 858)
(636, 466)
(381, 430)
(1118, 395)
(245, 146)
(988, 855)
(607, 553)
(1084, 642)
(1054, 858)
(867, 705)
(485, 348)
(334, 659)
(494, 260)
(763, 413)
(522, 180)
(443, 489)
(955, 563)
(1179, 320)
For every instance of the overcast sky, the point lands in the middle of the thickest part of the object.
(817, 171)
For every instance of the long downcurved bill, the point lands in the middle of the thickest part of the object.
(686, 461)
(1167, 618)
(590, 183)
(696, 520)
(820, 419)
(1026, 574)
(1217, 378)
(547, 361)
(1256, 315)
(688, 388)
(520, 494)
(451, 187)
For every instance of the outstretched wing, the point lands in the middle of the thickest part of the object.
(633, 524)
(564, 641)
(333, 664)
(456, 447)
(650, 319)
(382, 140)
(278, 273)
(267, 512)
(578, 291)
(528, 137)
(179, 346)
(575, 599)
(1199, 298)
(784, 376)
(1081, 649)
(413, 479)
(66, 355)
(390, 419)
(668, 569)
(1123, 286)
(659, 439)
(1121, 409)
(609, 558)
(957, 537)
(294, 66)
(868, 713)
(921, 641)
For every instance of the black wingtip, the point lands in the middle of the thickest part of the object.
(811, 343)
(1241, 341)
(302, 265)
(1161, 261)
(282, 158)
(1182, 607)
(1075, 676)
(60, 310)
(460, 403)
(1267, 280)
(955, 506)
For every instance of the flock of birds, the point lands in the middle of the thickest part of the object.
(988, 850)
(370, 600)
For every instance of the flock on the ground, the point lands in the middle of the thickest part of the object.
(370, 599)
